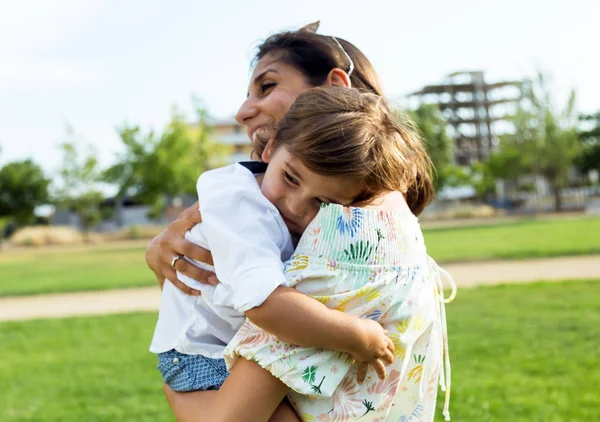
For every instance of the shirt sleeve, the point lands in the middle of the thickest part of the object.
(245, 238)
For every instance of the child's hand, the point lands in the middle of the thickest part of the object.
(374, 348)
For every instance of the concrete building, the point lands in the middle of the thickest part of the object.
(475, 110)
(233, 135)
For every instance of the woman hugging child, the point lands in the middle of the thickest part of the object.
(335, 172)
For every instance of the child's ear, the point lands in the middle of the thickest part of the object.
(268, 151)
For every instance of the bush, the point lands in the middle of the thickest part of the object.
(50, 235)
(133, 233)
(460, 211)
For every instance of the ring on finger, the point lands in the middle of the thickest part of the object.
(174, 260)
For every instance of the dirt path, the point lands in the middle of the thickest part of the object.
(148, 298)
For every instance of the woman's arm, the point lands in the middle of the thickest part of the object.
(171, 242)
(296, 318)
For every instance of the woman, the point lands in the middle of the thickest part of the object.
(287, 65)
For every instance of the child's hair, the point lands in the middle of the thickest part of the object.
(345, 132)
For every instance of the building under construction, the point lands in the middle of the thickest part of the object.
(476, 111)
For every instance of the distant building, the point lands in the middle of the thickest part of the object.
(232, 134)
(476, 111)
(119, 212)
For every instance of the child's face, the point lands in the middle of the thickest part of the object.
(298, 192)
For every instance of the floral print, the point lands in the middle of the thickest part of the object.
(346, 403)
(362, 297)
(350, 221)
(372, 264)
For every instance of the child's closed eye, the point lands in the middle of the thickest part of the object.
(290, 178)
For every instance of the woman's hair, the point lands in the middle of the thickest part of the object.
(345, 132)
(315, 55)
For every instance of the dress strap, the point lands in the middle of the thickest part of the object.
(442, 275)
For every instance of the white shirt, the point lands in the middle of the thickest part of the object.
(248, 240)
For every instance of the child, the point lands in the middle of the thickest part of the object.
(369, 262)
(340, 146)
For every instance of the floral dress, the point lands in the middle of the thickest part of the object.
(371, 264)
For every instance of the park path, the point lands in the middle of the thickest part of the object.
(148, 298)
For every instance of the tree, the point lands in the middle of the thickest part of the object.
(23, 186)
(508, 164)
(153, 167)
(432, 125)
(590, 143)
(78, 190)
(547, 135)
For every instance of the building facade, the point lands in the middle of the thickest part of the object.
(230, 133)
(476, 111)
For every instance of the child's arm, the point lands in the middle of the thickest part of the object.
(296, 318)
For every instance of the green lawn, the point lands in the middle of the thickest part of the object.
(46, 271)
(518, 240)
(519, 353)
(526, 353)
(80, 369)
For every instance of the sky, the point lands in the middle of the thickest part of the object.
(96, 65)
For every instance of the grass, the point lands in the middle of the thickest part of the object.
(526, 353)
(519, 353)
(94, 268)
(80, 369)
(46, 271)
(517, 240)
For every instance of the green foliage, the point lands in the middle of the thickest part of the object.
(78, 188)
(508, 163)
(458, 176)
(432, 125)
(154, 167)
(23, 186)
(483, 180)
(134, 232)
(546, 135)
(590, 143)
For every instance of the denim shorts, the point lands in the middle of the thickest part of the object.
(191, 372)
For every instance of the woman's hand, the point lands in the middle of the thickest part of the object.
(374, 348)
(170, 243)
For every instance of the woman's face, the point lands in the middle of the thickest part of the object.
(274, 86)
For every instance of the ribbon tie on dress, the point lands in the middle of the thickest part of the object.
(442, 275)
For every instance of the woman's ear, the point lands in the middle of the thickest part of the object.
(268, 151)
(337, 77)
